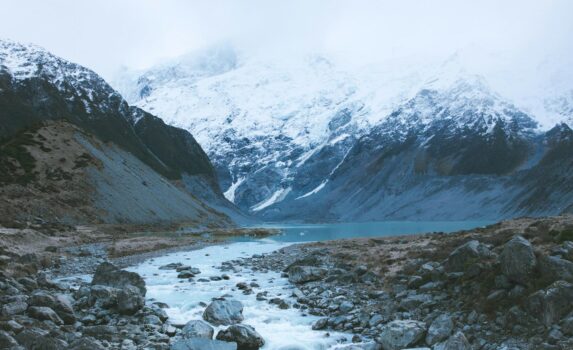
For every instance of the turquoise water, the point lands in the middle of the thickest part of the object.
(323, 232)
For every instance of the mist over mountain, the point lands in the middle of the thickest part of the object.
(280, 129)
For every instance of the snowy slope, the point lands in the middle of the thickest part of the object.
(278, 128)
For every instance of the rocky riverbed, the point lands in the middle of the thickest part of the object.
(508, 286)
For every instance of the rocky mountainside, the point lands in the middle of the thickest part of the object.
(307, 140)
(73, 149)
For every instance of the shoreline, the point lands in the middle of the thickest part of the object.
(426, 290)
(446, 289)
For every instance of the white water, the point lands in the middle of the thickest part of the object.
(281, 329)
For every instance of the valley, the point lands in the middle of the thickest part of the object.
(225, 176)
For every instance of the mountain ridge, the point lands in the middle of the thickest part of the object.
(283, 130)
(39, 89)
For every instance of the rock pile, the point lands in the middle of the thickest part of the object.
(485, 293)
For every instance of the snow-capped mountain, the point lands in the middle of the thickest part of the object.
(280, 131)
(65, 130)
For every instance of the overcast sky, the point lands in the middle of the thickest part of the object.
(106, 34)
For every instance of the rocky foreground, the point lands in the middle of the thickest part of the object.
(508, 286)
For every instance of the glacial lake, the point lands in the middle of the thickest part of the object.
(323, 232)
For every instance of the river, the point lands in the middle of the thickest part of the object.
(282, 329)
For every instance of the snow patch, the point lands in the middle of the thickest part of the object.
(278, 196)
(230, 192)
(316, 190)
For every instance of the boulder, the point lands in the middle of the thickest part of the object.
(7, 341)
(346, 306)
(129, 300)
(303, 274)
(465, 256)
(309, 260)
(197, 329)
(400, 334)
(14, 308)
(440, 329)
(567, 325)
(565, 250)
(320, 324)
(43, 313)
(86, 343)
(518, 260)
(59, 303)
(39, 339)
(202, 344)
(457, 341)
(245, 336)
(103, 296)
(109, 275)
(553, 268)
(224, 312)
(550, 305)
(105, 332)
(414, 301)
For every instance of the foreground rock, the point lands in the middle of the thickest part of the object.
(440, 329)
(467, 256)
(550, 305)
(197, 329)
(245, 336)
(38, 313)
(109, 275)
(303, 274)
(202, 344)
(224, 312)
(402, 334)
(508, 286)
(518, 260)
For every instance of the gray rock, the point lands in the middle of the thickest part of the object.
(224, 312)
(565, 250)
(245, 336)
(375, 320)
(38, 339)
(43, 313)
(346, 306)
(106, 332)
(440, 329)
(59, 303)
(554, 269)
(413, 301)
(320, 324)
(103, 296)
(397, 335)
(466, 255)
(197, 329)
(551, 304)
(109, 275)
(457, 341)
(14, 308)
(86, 343)
(567, 325)
(304, 274)
(202, 344)
(518, 260)
(152, 320)
(129, 300)
(7, 341)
